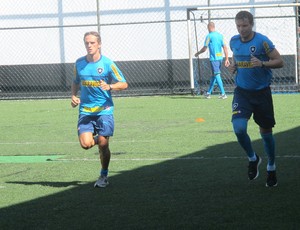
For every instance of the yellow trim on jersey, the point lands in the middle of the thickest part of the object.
(207, 41)
(116, 72)
(93, 110)
(267, 47)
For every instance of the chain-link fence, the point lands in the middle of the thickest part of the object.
(277, 21)
(148, 40)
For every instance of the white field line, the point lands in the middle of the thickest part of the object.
(70, 142)
(169, 158)
(34, 143)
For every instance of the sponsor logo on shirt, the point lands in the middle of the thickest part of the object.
(91, 83)
(244, 64)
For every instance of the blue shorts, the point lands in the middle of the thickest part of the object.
(259, 103)
(216, 66)
(102, 125)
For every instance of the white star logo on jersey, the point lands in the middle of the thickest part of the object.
(252, 49)
(100, 70)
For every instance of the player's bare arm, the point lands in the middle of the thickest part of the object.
(74, 99)
(115, 86)
(232, 66)
(274, 62)
(226, 63)
(203, 49)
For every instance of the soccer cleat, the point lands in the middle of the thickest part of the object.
(271, 179)
(222, 96)
(253, 172)
(102, 182)
(207, 96)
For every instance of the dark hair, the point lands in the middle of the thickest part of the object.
(242, 15)
(96, 34)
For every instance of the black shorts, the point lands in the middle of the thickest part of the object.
(259, 103)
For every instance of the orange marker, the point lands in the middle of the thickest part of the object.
(199, 119)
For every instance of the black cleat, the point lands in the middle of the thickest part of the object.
(271, 179)
(253, 172)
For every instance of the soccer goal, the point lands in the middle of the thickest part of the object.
(277, 21)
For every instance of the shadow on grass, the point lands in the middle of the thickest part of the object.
(48, 183)
(203, 190)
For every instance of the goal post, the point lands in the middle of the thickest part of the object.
(277, 21)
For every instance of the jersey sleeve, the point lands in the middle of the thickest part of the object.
(231, 42)
(268, 45)
(207, 40)
(76, 79)
(116, 73)
(223, 41)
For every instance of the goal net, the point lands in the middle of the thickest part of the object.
(279, 22)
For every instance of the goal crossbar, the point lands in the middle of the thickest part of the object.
(244, 6)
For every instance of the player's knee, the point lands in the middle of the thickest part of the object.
(104, 142)
(86, 145)
(103, 146)
(240, 126)
(265, 130)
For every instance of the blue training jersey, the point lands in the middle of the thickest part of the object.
(94, 100)
(215, 42)
(249, 77)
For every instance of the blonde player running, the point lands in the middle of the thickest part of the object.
(96, 76)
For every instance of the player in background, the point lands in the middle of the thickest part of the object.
(254, 55)
(96, 76)
(215, 42)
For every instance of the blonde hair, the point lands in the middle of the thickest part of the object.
(94, 33)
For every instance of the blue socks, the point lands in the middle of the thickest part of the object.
(216, 79)
(240, 130)
(211, 84)
(269, 146)
(104, 172)
(220, 84)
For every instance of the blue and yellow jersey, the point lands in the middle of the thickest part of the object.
(249, 77)
(215, 42)
(94, 100)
